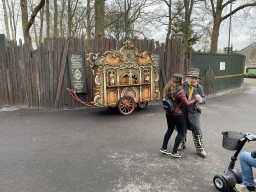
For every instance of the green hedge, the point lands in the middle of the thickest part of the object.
(249, 75)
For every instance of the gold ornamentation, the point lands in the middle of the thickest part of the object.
(146, 74)
(126, 73)
(97, 96)
(93, 57)
(128, 45)
(97, 79)
(111, 58)
(112, 97)
(145, 58)
(131, 91)
(158, 93)
(145, 93)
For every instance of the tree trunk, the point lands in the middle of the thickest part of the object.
(61, 18)
(188, 4)
(47, 19)
(6, 20)
(170, 19)
(218, 18)
(27, 24)
(11, 15)
(69, 18)
(35, 31)
(36, 37)
(24, 16)
(41, 26)
(99, 6)
(88, 20)
(215, 35)
(216, 24)
(55, 18)
(14, 21)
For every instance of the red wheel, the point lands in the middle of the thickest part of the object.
(142, 105)
(126, 105)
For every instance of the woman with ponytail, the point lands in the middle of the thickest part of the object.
(174, 90)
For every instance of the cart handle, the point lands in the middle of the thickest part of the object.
(73, 94)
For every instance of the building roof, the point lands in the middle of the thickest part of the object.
(249, 46)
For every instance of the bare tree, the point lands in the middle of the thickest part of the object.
(11, 16)
(47, 14)
(140, 16)
(217, 8)
(26, 24)
(6, 20)
(55, 19)
(41, 26)
(204, 43)
(174, 14)
(88, 19)
(99, 6)
(73, 7)
(61, 18)
(188, 4)
(69, 18)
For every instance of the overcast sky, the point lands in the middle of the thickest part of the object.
(241, 36)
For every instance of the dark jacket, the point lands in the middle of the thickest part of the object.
(179, 100)
(198, 89)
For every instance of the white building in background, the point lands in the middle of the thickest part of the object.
(250, 53)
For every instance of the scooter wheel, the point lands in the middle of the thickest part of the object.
(220, 183)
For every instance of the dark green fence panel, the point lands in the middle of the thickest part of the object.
(3, 44)
(228, 68)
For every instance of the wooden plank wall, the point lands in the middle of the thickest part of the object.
(208, 82)
(41, 81)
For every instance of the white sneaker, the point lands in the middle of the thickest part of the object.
(241, 188)
(203, 153)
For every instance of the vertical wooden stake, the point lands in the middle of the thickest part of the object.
(62, 70)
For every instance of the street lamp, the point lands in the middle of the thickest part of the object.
(229, 27)
(180, 36)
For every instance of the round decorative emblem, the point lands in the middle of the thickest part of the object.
(131, 91)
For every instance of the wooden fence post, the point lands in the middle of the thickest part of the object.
(63, 64)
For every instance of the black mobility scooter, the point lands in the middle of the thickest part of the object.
(233, 141)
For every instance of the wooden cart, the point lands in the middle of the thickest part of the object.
(125, 78)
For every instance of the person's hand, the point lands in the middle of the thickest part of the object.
(198, 97)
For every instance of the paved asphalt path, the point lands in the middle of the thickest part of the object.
(98, 150)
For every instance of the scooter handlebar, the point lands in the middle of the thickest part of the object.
(250, 136)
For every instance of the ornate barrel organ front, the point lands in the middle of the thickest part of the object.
(126, 73)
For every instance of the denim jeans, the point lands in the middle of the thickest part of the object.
(172, 121)
(247, 162)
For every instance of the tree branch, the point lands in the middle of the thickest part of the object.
(213, 8)
(237, 9)
(32, 19)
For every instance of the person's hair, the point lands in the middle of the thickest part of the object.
(173, 85)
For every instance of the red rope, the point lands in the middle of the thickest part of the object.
(73, 94)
